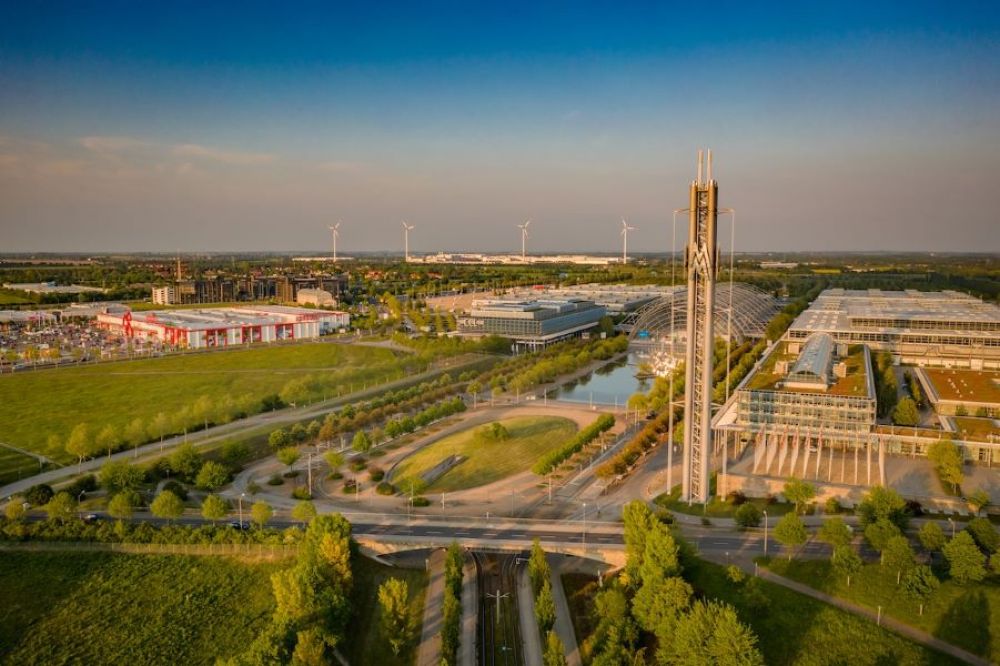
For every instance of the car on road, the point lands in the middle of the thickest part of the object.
(237, 525)
(90, 518)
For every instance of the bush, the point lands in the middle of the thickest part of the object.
(357, 464)
(38, 495)
(85, 484)
(376, 473)
(736, 498)
(275, 480)
(832, 506)
(748, 515)
(385, 488)
(301, 493)
(335, 476)
(350, 487)
(421, 501)
(176, 488)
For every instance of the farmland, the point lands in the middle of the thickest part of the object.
(487, 461)
(35, 406)
(103, 608)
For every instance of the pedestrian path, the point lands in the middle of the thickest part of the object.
(429, 652)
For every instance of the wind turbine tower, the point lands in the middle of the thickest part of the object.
(407, 228)
(624, 233)
(335, 232)
(524, 238)
(701, 263)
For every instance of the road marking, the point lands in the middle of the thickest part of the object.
(433, 533)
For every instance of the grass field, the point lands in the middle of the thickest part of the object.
(104, 608)
(34, 405)
(487, 461)
(968, 616)
(365, 643)
(15, 465)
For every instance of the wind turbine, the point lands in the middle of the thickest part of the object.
(407, 228)
(625, 230)
(335, 232)
(524, 237)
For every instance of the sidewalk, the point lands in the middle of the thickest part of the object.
(526, 616)
(564, 623)
(429, 652)
(470, 616)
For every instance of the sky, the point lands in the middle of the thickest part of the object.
(193, 126)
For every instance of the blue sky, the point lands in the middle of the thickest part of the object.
(161, 126)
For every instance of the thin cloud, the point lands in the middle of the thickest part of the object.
(112, 144)
(223, 156)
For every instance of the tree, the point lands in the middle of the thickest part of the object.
(212, 476)
(878, 533)
(638, 521)
(278, 439)
(474, 389)
(118, 475)
(931, 536)
(79, 443)
(984, 534)
(906, 413)
(711, 633)
(898, 555)
(185, 461)
(883, 503)
(919, 584)
(310, 648)
(135, 432)
(214, 508)
(394, 611)
(947, 460)
(160, 426)
(304, 511)
(61, 507)
(835, 532)
(846, 562)
(334, 459)
(545, 607)
(790, 532)
(979, 500)
(107, 439)
(261, 513)
(799, 493)
(748, 514)
(966, 563)
(288, 456)
(555, 652)
(123, 504)
(14, 511)
(361, 442)
(38, 494)
(538, 566)
(167, 505)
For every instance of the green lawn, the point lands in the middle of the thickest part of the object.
(365, 643)
(799, 630)
(15, 465)
(968, 616)
(34, 405)
(104, 608)
(487, 461)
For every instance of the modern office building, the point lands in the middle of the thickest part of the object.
(944, 328)
(531, 323)
(220, 327)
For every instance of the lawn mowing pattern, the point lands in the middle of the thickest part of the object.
(104, 608)
(967, 616)
(364, 642)
(15, 465)
(796, 629)
(488, 461)
(34, 405)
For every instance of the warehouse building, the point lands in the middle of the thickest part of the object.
(531, 323)
(221, 327)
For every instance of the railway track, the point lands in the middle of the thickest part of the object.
(499, 634)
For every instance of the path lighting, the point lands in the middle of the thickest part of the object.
(765, 534)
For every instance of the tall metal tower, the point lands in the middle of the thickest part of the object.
(701, 259)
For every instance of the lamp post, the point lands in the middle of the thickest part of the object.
(585, 526)
(952, 522)
(765, 534)
(242, 495)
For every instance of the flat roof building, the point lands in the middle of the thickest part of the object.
(531, 323)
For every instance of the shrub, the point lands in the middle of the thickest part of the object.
(376, 473)
(335, 476)
(301, 493)
(38, 495)
(748, 515)
(350, 486)
(84, 484)
(357, 464)
(385, 488)
(736, 498)
(421, 501)
(176, 488)
(275, 480)
(832, 506)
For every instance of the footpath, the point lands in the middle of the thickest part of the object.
(564, 622)
(470, 615)
(532, 643)
(429, 652)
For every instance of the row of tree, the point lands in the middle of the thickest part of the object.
(555, 457)
(451, 606)
(540, 575)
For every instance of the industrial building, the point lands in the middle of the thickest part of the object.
(616, 299)
(531, 323)
(221, 327)
(945, 328)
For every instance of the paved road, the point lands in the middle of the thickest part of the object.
(529, 625)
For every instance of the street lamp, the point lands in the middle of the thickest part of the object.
(584, 526)
(952, 527)
(765, 534)
(242, 495)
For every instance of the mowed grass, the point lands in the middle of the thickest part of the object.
(34, 405)
(966, 616)
(104, 608)
(799, 630)
(487, 461)
(365, 641)
(15, 465)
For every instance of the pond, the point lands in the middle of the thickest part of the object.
(608, 385)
